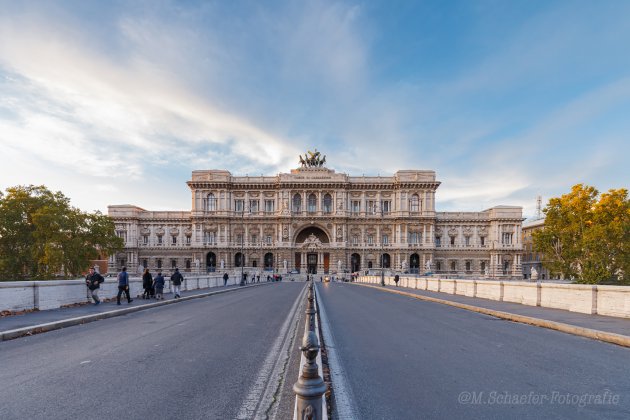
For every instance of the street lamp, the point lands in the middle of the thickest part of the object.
(382, 247)
(242, 244)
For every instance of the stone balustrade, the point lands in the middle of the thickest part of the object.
(588, 299)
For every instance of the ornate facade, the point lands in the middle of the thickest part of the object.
(316, 220)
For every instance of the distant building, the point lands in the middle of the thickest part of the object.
(318, 221)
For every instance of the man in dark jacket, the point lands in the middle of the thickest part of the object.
(93, 281)
(158, 284)
(123, 285)
(225, 279)
(176, 281)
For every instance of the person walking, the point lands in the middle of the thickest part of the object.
(158, 285)
(225, 279)
(176, 281)
(147, 284)
(93, 281)
(123, 285)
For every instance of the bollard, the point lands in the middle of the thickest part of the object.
(310, 309)
(310, 387)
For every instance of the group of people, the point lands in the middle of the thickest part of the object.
(153, 287)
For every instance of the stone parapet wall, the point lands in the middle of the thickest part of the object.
(52, 294)
(587, 299)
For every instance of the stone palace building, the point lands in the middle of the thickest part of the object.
(318, 221)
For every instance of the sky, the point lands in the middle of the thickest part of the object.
(117, 102)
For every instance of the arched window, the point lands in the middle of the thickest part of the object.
(414, 203)
(414, 263)
(327, 203)
(211, 262)
(238, 260)
(297, 203)
(268, 261)
(312, 203)
(211, 203)
(355, 262)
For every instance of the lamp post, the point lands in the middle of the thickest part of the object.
(242, 244)
(382, 247)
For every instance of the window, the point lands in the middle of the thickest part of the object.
(187, 240)
(297, 203)
(452, 240)
(187, 264)
(414, 203)
(253, 206)
(160, 240)
(453, 265)
(312, 203)
(467, 265)
(269, 239)
(239, 238)
(208, 237)
(438, 241)
(173, 263)
(239, 206)
(483, 240)
(145, 263)
(254, 239)
(159, 263)
(385, 239)
(210, 203)
(387, 206)
(122, 234)
(356, 206)
(414, 237)
(371, 207)
(355, 240)
(438, 266)
(507, 238)
(370, 239)
(467, 240)
(327, 204)
(483, 266)
(145, 239)
(174, 240)
(269, 206)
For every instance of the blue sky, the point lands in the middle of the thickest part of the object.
(117, 102)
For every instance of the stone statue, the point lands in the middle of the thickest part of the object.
(339, 265)
(404, 265)
(312, 159)
(534, 273)
(222, 264)
(197, 264)
(427, 266)
(486, 272)
(284, 264)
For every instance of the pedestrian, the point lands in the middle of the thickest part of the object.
(258, 278)
(396, 279)
(123, 285)
(225, 279)
(147, 284)
(93, 281)
(158, 285)
(176, 281)
(253, 278)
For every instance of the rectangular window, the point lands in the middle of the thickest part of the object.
(268, 239)
(370, 239)
(385, 239)
(269, 206)
(239, 238)
(438, 241)
(387, 206)
(452, 240)
(239, 206)
(159, 263)
(483, 240)
(187, 264)
(507, 238)
(253, 206)
(208, 237)
(356, 206)
(160, 240)
(371, 207)
(173, 263)
(254, 239)
(174, 240)
(467, 240)
(145, 239)
(187, 240)
(355, 240)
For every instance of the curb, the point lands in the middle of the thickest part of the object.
(608, 337)
(55, 325)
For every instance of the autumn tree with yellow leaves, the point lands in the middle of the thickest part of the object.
(587, 236)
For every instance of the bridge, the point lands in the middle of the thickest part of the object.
(231, 352)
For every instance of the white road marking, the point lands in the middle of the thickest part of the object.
(345, 407)
(260, 396)
(84, 362)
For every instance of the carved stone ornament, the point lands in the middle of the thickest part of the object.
(452, 232)
(311, 243)
(174, 231)
(285, 232)
(160, 231)
(468, 231)
(145, 230)
(483, 231)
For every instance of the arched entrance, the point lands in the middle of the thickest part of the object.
(414, 263)
(386, 261)
(355, 262)
(238, 259)
(268, 261)
(211, 262)
(311, 256)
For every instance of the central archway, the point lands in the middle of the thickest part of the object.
(310, 242)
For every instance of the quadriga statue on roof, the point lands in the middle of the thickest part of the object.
(312, 159)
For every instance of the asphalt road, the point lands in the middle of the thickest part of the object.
(206, 358)
(400, 358)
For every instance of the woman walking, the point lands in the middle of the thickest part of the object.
(147, 284)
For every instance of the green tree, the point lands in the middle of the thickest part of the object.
(42, 235)
(587, 238)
